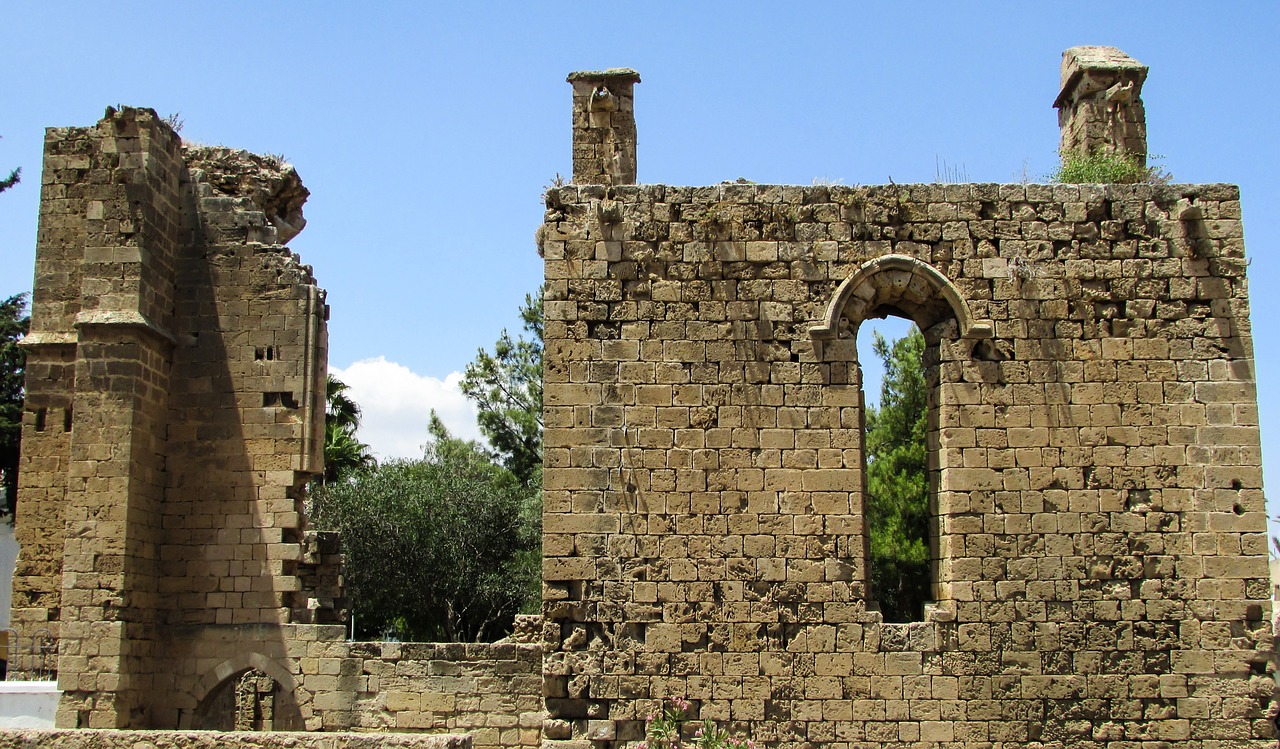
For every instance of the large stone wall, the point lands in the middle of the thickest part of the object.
(1098, 533)
(174, 411)
(325, 683)
(1098, 529)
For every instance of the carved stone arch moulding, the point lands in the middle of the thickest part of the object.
(903, 284)
(236, 666)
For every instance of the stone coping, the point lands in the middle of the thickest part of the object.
(114, 739)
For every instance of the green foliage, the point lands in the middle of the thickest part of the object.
(506, 387)
(437, 549)
(343, 453)
(898, 483)
(1107, 168)
(14, 324)
(14, 178)
(665, 729)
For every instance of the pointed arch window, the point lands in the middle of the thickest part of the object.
(901, 286)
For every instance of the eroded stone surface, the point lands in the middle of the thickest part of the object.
(1100, 106)
(1099, 534)
(174, 412)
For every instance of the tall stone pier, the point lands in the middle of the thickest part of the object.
(604, 127)
(174, 412)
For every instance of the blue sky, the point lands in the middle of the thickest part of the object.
(426, 132)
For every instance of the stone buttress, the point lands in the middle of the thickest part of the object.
(174, 412)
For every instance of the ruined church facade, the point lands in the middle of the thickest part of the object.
(1098, 532)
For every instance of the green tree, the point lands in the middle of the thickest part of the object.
(898, 483)
(506, 387)
(343, 453)
(14, 324)
(14, 178)
(436, 549)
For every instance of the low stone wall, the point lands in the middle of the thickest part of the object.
(109, 739)
(490, 690)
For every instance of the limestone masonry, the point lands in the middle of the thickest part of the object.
(174, 414)
(1099, 541)
(175, 406)
(1098, 535)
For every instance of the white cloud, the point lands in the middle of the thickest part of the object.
(395, 405)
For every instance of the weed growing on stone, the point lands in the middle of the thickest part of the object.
(1108, 168)
(175, 122)
(665, 728)
(949, 174)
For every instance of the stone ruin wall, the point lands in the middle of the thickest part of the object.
(174, 414)
(1099, 530)
(175, 401)
(491, 691)
(1099, 567)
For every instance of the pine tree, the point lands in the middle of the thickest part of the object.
(898, 482)
(506, 387)
(13, 326)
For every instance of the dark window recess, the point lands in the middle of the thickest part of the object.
(265, 354)
(66, 420)
(279, 399)
(40, 416)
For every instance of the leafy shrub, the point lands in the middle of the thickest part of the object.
(1108, 168)
(445, 548)
(665, 729)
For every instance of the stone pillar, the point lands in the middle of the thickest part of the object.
(604, 127)
(1100, 105)
(175, 411)
(116, 453)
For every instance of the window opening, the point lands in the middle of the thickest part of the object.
(284, 399)
(896, 393)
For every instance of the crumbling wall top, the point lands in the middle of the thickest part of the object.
(1077, 62)
(270, 182)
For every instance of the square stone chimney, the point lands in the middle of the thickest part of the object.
(1100, 104)
(604, 127)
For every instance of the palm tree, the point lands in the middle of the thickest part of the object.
(343, 453)
(339, 408)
